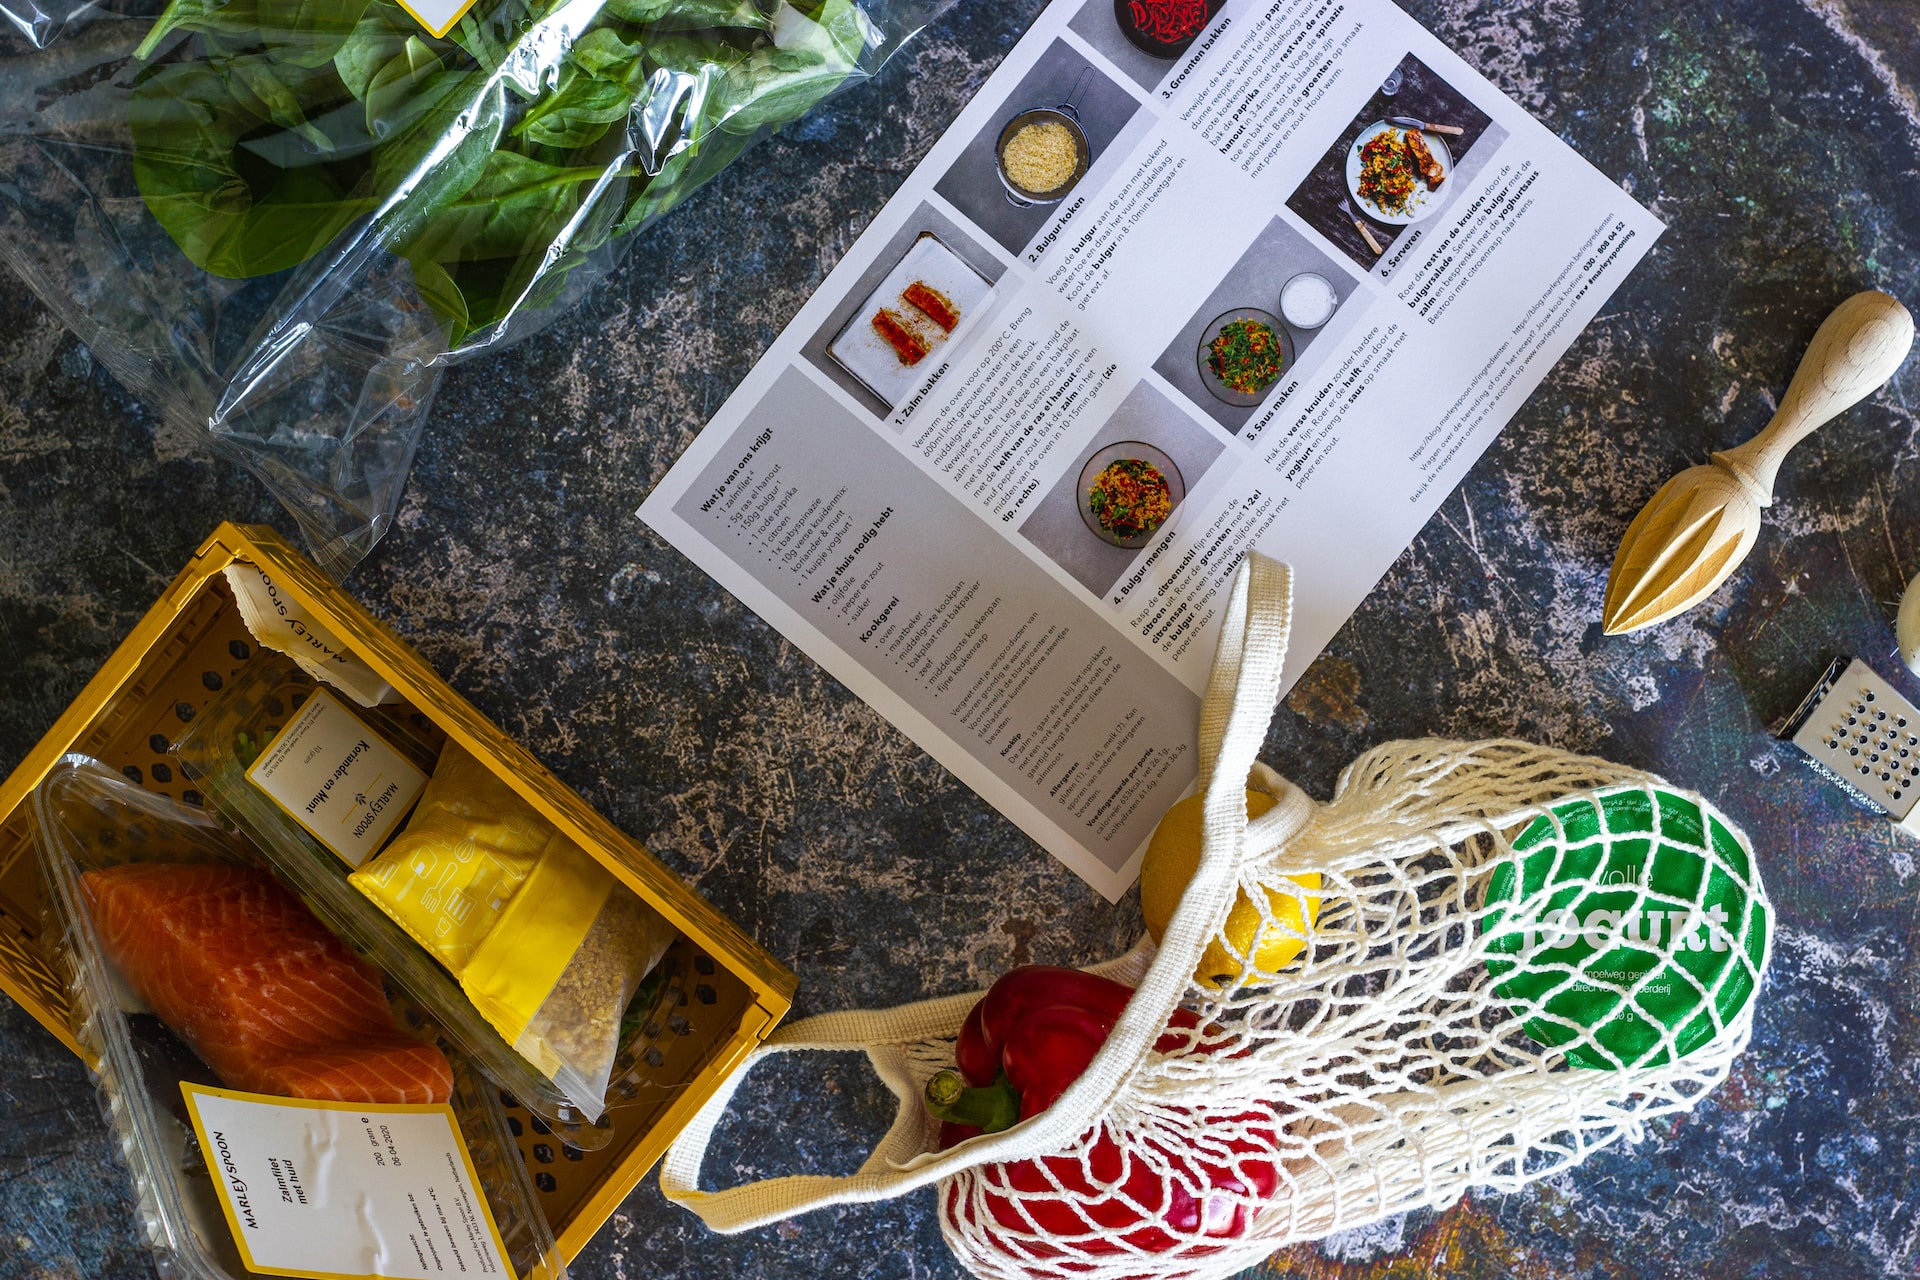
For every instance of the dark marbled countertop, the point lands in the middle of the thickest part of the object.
(1779, 140)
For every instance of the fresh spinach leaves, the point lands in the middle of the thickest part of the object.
(496, 160)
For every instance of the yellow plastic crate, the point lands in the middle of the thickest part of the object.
(733, 991)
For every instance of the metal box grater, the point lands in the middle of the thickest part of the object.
(728, 993)
(1864, 734)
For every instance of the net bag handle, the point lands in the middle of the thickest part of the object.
(909, 1043)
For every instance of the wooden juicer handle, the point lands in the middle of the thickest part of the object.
(1854, 352)
(1702, 523)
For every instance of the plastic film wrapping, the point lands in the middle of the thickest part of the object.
(278, 221)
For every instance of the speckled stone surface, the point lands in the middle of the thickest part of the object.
(1779, 139)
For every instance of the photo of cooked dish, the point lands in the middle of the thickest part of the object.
(1243, 354)
(1394, 171)
(1405, 152)
(908, 317)
(908, 347)
(1163, 28)
(1041, 157)
(1042, 140)
(1127, 492)
(1254, 332)
(931, 303)
(1043, 151)
(1130, 499)
(906, 330)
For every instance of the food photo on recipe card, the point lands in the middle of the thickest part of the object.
(1270, 284)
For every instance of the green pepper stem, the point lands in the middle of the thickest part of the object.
(989, 1108)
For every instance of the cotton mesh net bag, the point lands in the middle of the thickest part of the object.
(1511, 957)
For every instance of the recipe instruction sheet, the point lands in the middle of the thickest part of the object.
(1134, 315)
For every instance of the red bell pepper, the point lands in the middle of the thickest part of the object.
(1028, 1039)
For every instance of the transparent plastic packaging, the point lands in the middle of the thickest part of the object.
(278, 221)
(88, 818)
(216, 751)
(580, 1020)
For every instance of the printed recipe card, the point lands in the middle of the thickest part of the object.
(1183, 280)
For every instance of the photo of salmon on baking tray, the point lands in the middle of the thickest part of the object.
(890, 341)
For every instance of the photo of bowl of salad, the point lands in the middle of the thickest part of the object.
(1243, 354)
(1394, 173)
(1127, 491)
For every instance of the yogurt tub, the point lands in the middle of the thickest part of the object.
(1307, 301)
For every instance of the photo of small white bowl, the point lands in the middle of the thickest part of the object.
(1308, 300)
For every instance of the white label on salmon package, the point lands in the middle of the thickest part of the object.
(346, 1189)
(337, 778)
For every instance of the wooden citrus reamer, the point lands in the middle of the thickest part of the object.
(1701, 524)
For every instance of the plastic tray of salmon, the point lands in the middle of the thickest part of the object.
(198, 975)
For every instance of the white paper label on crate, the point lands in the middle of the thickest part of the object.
(346, 1189)
(338, 778)
(281, 624)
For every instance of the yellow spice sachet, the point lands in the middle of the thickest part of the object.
(470, 844)
(545, 942)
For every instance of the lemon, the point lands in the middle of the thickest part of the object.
(1269, 944)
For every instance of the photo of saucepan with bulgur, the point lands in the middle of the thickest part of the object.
(1042, 150)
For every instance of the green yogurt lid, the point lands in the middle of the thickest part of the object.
(1628, 929)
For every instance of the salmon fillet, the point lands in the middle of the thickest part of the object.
(933, 304)
(908, 345)
(241, 971)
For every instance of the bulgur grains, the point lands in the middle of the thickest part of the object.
(1040, 157)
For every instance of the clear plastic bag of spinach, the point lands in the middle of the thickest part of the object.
(279, 220)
